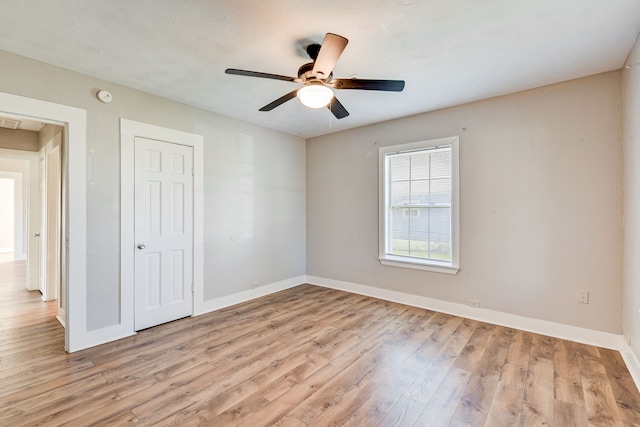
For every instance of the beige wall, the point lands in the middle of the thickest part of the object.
(17, 139)
(254, 184)
(631, 294)
(541, 203)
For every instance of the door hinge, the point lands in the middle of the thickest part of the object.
(193, 287)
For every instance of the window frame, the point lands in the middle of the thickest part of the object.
(385, 208)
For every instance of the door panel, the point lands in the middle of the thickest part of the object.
(163, 208)
(153, 285)
(177, 275)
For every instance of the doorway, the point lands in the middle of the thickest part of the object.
(184, 152)
(51, 255)
(17, 171)
(73, 207)
(30, 215)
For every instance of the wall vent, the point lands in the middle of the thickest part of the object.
(9, 123)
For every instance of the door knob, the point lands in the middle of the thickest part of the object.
(141, 246)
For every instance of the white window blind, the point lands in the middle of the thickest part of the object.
(418, 203)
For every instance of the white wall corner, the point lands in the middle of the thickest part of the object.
(557, 330)
(202, 307)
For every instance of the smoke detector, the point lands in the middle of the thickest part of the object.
(104, 96)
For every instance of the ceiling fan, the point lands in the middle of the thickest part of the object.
(317, 78)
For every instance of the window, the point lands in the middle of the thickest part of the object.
(419, 205)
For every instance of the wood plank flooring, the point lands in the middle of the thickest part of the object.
(307, 356)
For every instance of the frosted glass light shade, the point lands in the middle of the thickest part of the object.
(315, 95)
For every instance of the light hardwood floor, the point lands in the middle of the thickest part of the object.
(307, 356)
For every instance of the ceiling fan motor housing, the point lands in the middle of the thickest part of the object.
(305, 70)
(305, 73)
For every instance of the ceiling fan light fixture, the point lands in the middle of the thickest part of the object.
(315, 95)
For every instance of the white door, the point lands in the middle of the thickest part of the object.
(163, 232)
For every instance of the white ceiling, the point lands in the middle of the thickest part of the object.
(448, 51)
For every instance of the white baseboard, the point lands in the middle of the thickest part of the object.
(240, 297)
(558, 330)
(631, 360)
(88, 339)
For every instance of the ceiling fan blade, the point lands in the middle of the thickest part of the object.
(280, 101)
(331, 49)
(337, 108)
(365, 84)
(247, 73)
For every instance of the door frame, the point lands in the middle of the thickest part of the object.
(50, 230)
(129, 130)
(74, 121)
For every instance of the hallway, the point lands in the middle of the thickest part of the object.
(20, 311)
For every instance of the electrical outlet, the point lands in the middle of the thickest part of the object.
(583, 297)
(254, 285)
(474, 303)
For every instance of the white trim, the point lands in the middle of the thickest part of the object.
(401, 262)
(130, 129)
(383, 202)
(240, 297)
(631, 360)
(75, 124)
(60, 319)
(105, 335)
(558, 330)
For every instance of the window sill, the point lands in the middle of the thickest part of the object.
(417, 265)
